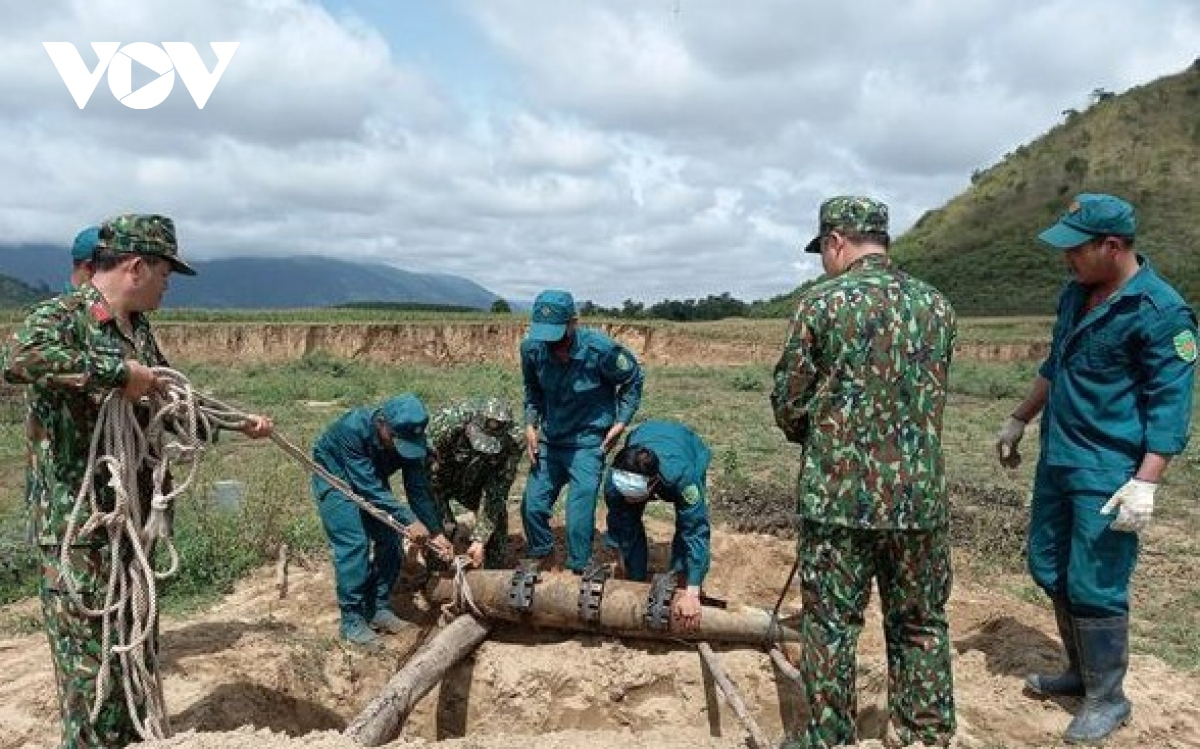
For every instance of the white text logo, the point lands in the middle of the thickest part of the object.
(118, 60)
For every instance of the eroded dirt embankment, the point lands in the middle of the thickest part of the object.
(484, 342)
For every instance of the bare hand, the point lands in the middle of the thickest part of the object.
(614, 434)
(686, 610)
(418, 533)
(531, 443)
(475, 553)
(441, 546)
(257, 427)
(142, 381)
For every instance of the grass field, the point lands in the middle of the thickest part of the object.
(728, 405)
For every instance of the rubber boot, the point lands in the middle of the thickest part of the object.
(1070, 682)
(386, 620)
(1104, 658)
(355, 631)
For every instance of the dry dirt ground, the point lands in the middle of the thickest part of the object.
(259, 672)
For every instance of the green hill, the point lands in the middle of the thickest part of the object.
(14, 293)
(981, 248)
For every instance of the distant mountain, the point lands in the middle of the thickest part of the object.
(14, 293)
(269, 283)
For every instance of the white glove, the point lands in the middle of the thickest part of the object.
(1007, 440)
(1135, 502)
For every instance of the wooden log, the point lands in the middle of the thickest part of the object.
(758, 739)
(555, 605)
(381, 720)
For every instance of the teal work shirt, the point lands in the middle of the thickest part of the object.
(574, 403)
(1121, 376)
(350, 449)
(683, 461)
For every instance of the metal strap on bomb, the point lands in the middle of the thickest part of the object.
(658, 602)
(520, 588)
(591, 590)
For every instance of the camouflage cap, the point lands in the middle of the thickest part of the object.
(143, 234)
(850, 213)
(492, 419)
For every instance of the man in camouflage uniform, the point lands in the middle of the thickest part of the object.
(72, 351)
(476, 446)
(861, 386)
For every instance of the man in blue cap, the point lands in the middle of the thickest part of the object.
(666, 461)
(1115, 394)
(364, 448)
(581, 389)
(83, 256)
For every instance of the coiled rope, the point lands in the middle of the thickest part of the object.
(174, 439)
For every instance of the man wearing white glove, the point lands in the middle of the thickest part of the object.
(1115, 395)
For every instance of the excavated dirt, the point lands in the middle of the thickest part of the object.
(659, 344)
(259, 672)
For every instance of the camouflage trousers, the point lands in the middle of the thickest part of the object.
(912, 569)
(75, 647)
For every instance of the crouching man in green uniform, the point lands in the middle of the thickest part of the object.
(475, 449)
(665, 461)
(861, 387)
(364, 448)
(1115, 395)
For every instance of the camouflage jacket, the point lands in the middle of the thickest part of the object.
(477, 481)
(71, 353)
(861, 386)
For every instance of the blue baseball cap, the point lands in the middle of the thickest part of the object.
(1091, 215)
(406, 416)
(84, 248)
(552, 310)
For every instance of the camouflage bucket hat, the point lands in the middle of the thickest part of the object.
(490, 422)
(143, 234)
(850, 213)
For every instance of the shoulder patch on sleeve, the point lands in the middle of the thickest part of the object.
(691, 495)
(623, 362)
(1185, 345)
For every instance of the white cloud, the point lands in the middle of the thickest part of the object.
(639, 149)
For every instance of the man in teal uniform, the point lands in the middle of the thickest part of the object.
(364, 448)
(667, 461)
(581, 389)
(476, 447)
(83, 255)
(72, 351)
(1115, 394)
(861, 387)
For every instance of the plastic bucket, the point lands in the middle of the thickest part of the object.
(228, 495)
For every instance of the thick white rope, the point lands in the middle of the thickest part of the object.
(463, 600)
(172, 440)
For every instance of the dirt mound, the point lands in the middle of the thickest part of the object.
(260, 672)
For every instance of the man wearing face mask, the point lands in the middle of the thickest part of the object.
(581, 389)
(861, 387)
(668, 462)
(1115, 394)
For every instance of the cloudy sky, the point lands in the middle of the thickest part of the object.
(619, 148)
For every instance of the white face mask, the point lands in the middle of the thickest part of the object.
(633, 486)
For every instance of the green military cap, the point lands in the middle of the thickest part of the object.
(850, 213)
(142, 234)
(491, 420)
(407, 418)
(1091, 215)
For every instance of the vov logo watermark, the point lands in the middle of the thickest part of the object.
(118, 60)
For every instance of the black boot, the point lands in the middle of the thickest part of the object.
(1070, 682)
(1104, 658)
